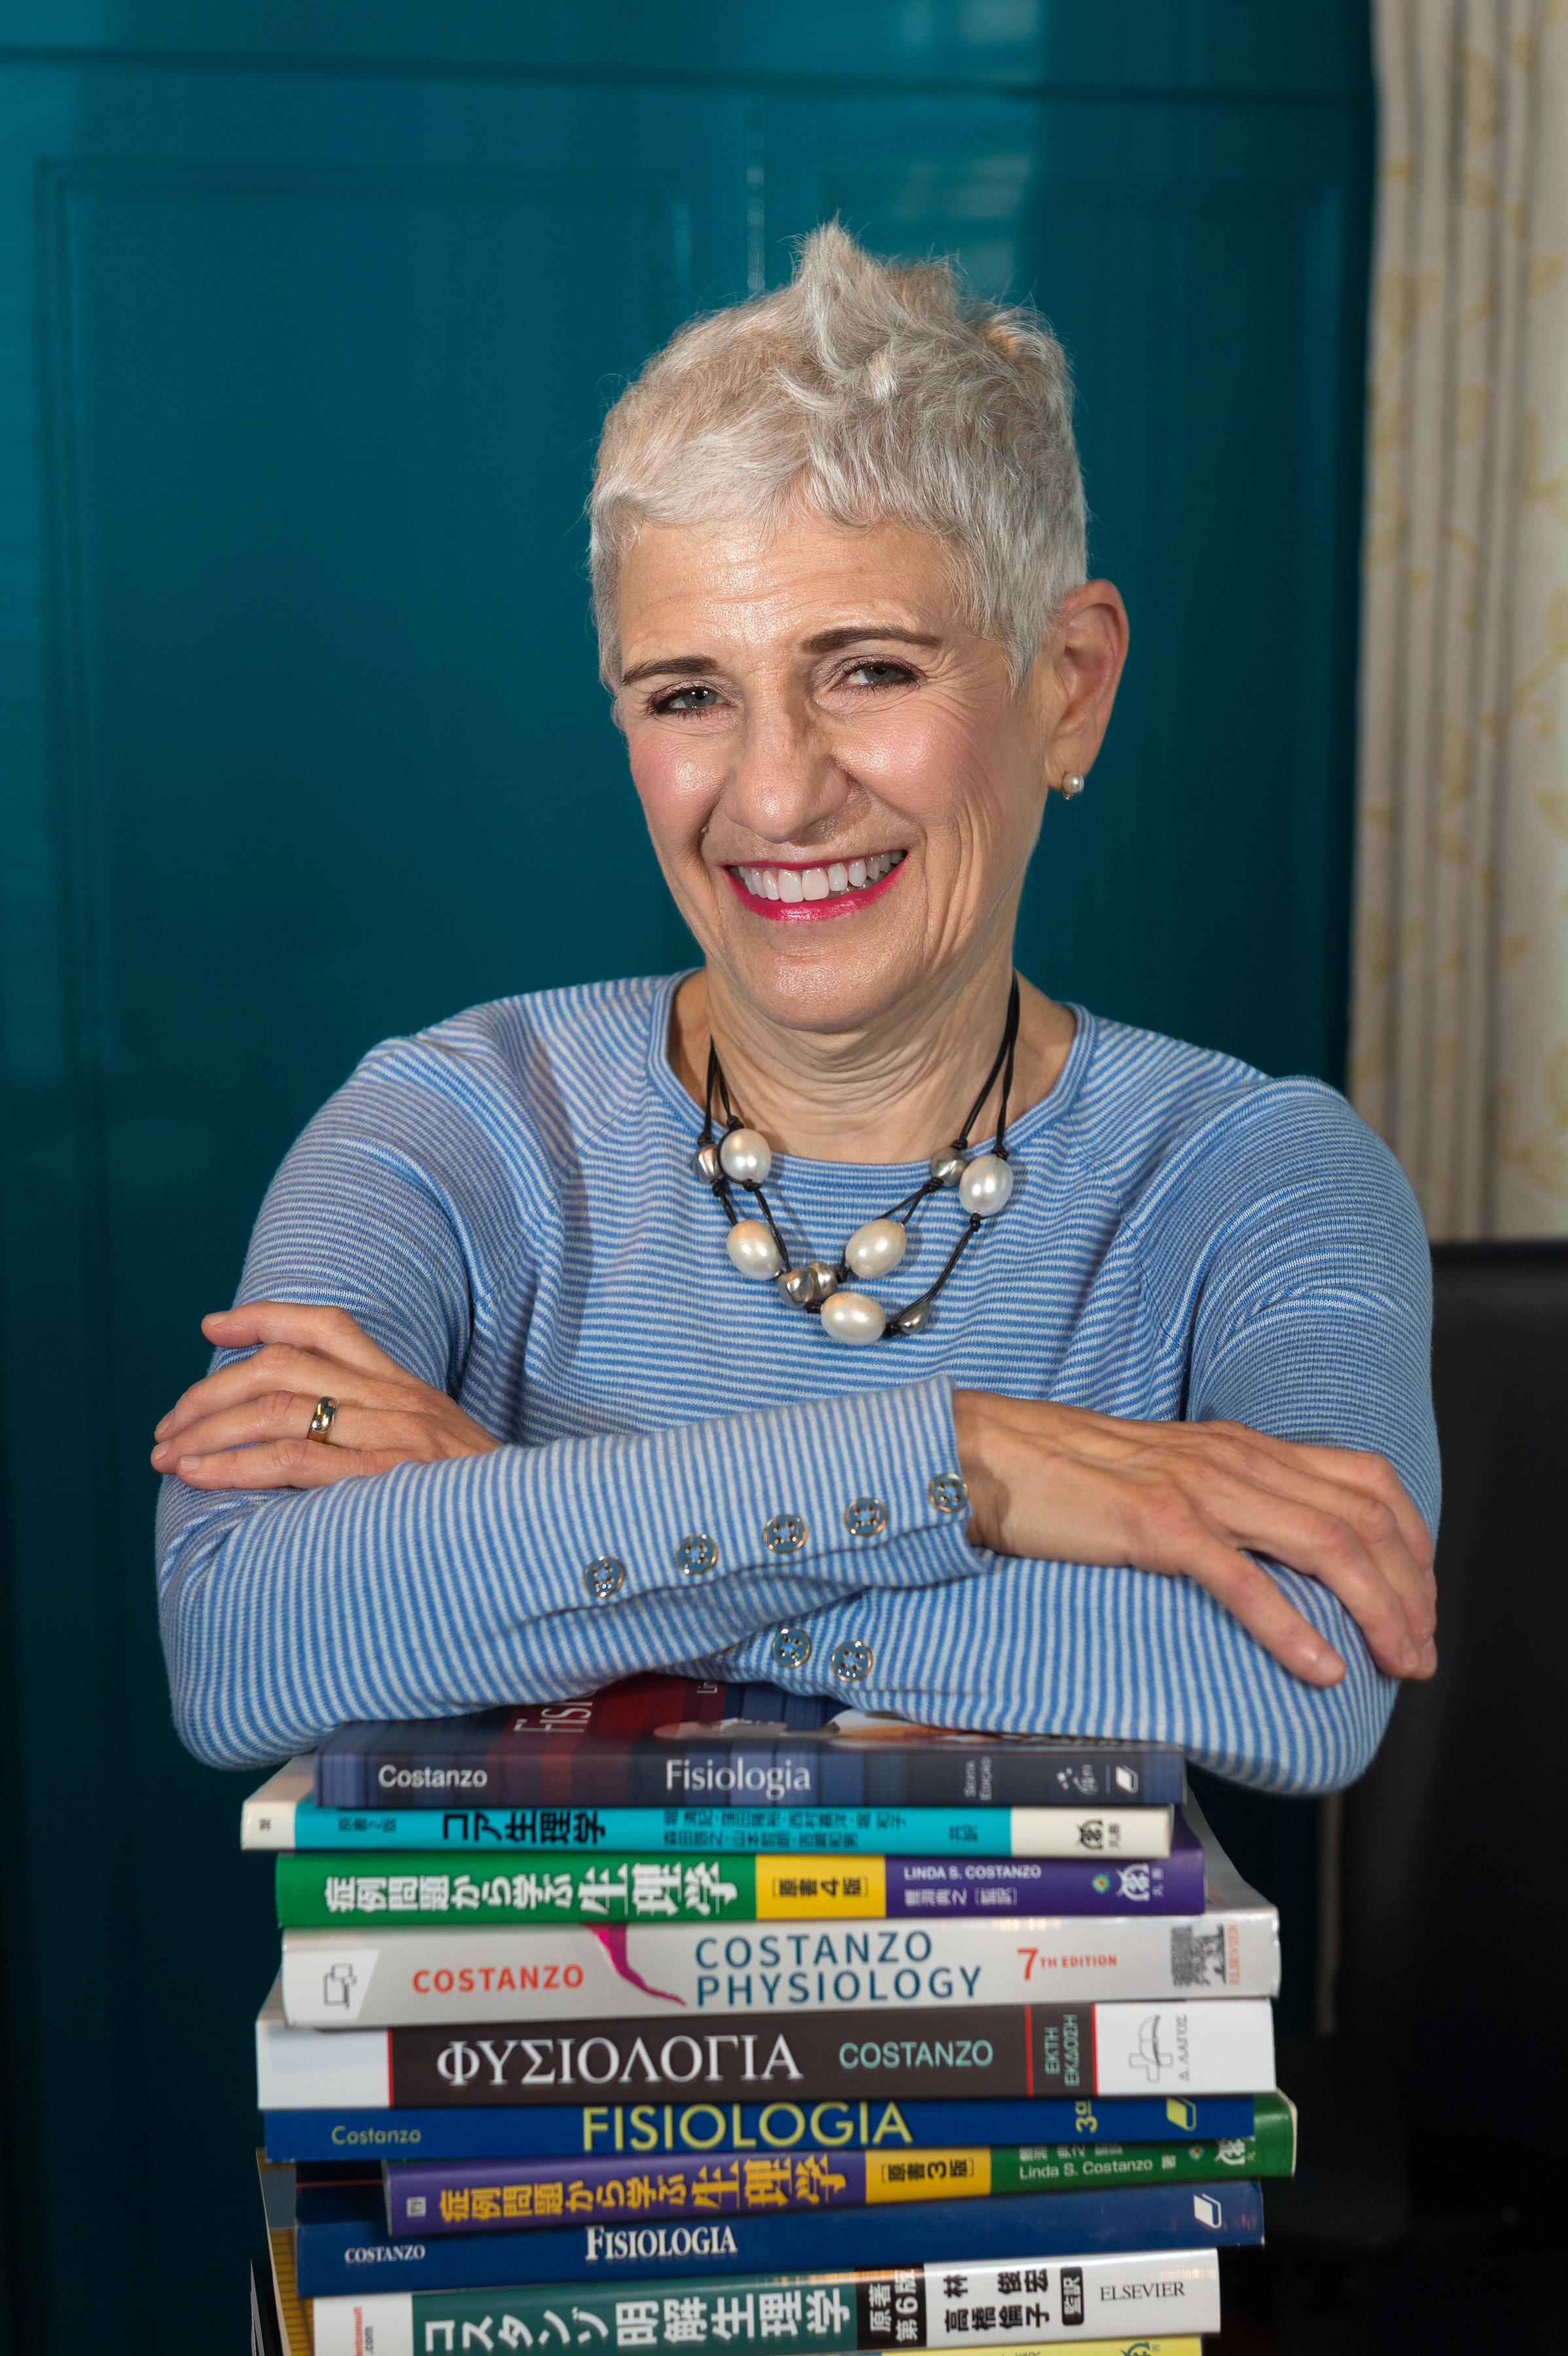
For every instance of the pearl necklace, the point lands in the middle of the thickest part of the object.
(742, 1157)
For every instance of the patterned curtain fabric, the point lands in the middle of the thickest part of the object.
(1460, 1039)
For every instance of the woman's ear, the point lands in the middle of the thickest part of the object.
(1078, 674)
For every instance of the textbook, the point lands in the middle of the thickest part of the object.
(479, 2196)
(340, 2237)
(315, 1889)
(1222, 2045)
(556, 2132)
(399, 1978)
(664, 1742)
(284, 1815)
(1019, 2303)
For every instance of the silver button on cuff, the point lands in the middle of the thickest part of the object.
(785, 1534)
(603, 1577)
(696, 1556)
(851, 1660)
(791, 1648)
(947, 1492)
(866, 1518)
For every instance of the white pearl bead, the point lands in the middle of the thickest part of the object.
(985, 1185)
(852, 1317)
(753, 1249)
(873, 1249)
(746, 1156)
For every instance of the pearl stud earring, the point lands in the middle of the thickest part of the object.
(1072, 787)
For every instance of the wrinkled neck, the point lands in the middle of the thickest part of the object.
(892, 1091)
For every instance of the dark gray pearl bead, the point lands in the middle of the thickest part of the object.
(948, 1166)
(915, 1319)
(705, 1163)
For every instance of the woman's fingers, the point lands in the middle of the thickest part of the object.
(1360, 1469)
(329, 1333)
(247, 1426)
(284, 1464)
(1258, 1601)
(398, 1430)
(1343, 1535)
(1328, 1546)
(277, 1368)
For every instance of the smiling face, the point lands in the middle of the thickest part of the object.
(841, 785)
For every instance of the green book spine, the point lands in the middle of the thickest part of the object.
(1080, 2167)
(318, 1891)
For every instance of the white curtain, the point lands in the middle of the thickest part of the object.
(1459, 1038)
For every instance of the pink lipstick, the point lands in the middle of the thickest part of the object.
(804, 911)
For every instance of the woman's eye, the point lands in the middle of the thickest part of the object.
(878, 674)
(689, 699)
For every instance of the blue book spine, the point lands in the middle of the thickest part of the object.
(339, 2254)
(483, 2133)
(867, 1832)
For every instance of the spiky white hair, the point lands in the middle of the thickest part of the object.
(864, 391)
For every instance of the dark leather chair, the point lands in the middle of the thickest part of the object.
(1446, 2063)
(1452, 1847)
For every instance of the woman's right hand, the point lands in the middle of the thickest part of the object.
(1199, 1500)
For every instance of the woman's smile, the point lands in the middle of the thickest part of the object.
(796, 893)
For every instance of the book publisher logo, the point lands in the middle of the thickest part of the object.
(338, 1985)
(1071, 2294)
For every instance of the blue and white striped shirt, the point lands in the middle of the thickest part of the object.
(506, 1203)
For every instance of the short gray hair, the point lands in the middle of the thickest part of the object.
(865, 392)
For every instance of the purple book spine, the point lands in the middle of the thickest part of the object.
(1047, 1885)
(500, 2196)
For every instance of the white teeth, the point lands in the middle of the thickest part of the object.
(797, 883)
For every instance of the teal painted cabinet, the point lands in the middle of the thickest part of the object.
(308, 319)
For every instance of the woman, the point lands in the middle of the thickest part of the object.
(522, 1397)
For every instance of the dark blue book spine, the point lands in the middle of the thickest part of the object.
(659, 2127)
(338, 2254)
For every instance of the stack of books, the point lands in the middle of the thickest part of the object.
(691, 2017)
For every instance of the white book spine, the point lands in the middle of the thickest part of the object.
(1180, 2288)
(266, 1820)
(408, 1978)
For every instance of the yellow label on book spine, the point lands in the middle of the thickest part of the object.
(926, 2175)
(791, 1888)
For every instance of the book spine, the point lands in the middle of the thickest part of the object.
(480, 2196)
(333, 2255)
(1066, 1832)
(590, 1770)
(318, 1889)
(387, 2325)
(404, 1977)
(645, 2128)
(1221, 2046)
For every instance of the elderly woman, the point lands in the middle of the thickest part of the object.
(845, 1313)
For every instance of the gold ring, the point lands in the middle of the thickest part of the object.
(322, 1421)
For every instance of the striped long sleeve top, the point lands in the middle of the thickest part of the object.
(506, 1203)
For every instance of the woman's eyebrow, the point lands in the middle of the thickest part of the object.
(661, 663)
(827, 642)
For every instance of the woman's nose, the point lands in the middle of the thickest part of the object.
(787, 779)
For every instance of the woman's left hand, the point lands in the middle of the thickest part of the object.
(246, 1426)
